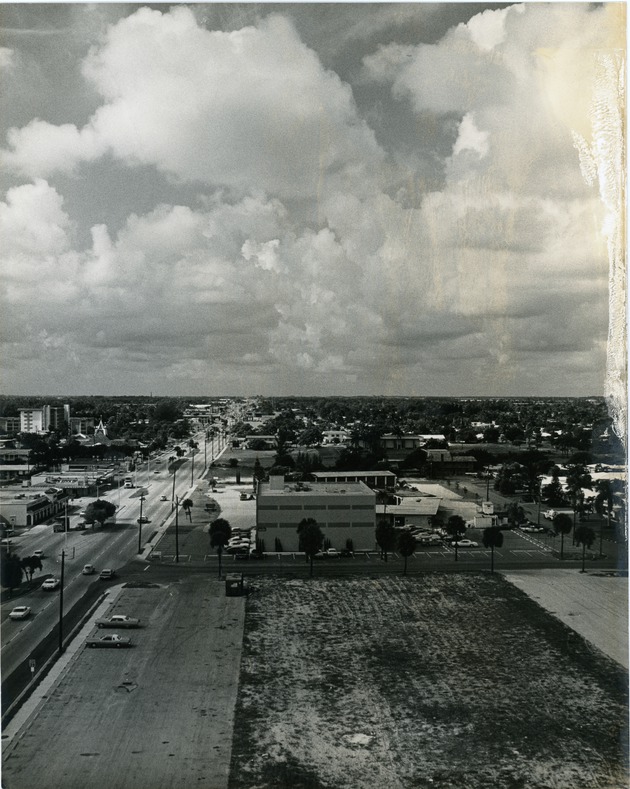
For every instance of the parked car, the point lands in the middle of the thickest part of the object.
(112, 640)
(20, 612)
(118, 620)
(50, 584)
(244, 497)
(332, 553)
(88, 569)
(106, 574)
(466, 543)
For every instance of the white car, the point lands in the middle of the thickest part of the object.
(466, 543)
(88, 569)
(50, 584)
(38, 554)
(20, 612)
(163, 498)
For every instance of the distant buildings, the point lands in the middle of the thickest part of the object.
(44, 419)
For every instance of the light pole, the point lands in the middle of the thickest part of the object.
(63, 557)
(205, 457)
(177, 529)
(140, 526)
(192, 465)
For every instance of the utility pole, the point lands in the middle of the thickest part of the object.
(192, 465)
(205, 457)
(174, 475)
(63, 557)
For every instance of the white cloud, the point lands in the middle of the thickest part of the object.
(250, 108)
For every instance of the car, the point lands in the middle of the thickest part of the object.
(81, 513)
(50, 584)
(106, 574)
(112, 640)
(88, 569)
(332, 553)
(243, 496)
(163, 498)
(38, 554)
(118, 620)
(20, 612)
(156, 472)
(466, 543)
(144, 519)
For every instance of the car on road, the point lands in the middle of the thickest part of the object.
(144, 519)
(38, 554)
(50, 584)
(112, 640)
(331, 553)
(20, 612)
(106, 574)
(118, 620)
(163, 498)
(466, 543)
(88, 569)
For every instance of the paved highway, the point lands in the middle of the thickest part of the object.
(113, 546)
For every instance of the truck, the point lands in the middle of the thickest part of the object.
(118, 620)
(113, 640)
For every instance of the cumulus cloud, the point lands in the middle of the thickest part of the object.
(253, 107)
(313, 257)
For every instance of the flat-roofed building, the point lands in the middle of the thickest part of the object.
(10, 425)
(344, 511)
(373, 479)
(409, 512)
(21, 506)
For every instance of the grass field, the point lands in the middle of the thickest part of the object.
(449, 681)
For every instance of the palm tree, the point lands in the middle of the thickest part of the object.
(406, 545)
(385, 537)
(603, 503)
(186, 506)
(220, 531)
(492, 538)
(584, 536)
(562, 525)
(456, 527)
(311, 538)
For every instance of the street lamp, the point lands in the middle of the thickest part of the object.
(177, 528)
(140, 526)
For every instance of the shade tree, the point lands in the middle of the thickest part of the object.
(219, 532)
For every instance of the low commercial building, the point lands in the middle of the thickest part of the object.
(409, 512)
(23, 507)
(373, 479)
(344, 511)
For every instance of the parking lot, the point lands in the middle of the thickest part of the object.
(157, 715)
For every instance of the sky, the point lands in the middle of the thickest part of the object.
(309, 199)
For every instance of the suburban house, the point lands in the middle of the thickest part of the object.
(343, 510)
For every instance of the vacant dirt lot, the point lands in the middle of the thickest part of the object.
(438, 681)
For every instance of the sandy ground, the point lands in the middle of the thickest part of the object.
(441, 680)
(157, 716)
(594, 604)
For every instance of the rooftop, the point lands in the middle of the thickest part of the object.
(316, 489)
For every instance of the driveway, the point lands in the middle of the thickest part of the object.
(157, 715)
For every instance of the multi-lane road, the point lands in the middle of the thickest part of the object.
(111, 546)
